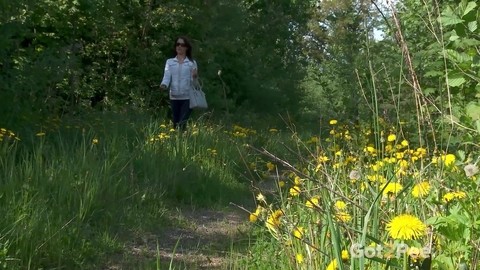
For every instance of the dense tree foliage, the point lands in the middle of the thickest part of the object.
(62, 56)
(311, 59)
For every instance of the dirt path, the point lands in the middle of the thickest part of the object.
(199, 239)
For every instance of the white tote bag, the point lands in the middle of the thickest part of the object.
(197, 96)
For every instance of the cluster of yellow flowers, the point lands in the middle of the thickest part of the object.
(6, 134)
(395, 170)
(160, 137)
(242, 132)
(165, 134)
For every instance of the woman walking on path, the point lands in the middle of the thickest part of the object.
(179, 73)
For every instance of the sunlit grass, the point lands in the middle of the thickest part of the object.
(350, 202)
(71, 189)
(352, 197)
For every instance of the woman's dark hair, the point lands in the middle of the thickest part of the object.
(189, 47)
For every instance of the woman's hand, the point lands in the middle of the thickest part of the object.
(194, 73)
(163, 87)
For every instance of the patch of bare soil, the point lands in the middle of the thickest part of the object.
(200, 239)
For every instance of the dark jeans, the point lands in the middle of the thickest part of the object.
(180, 113)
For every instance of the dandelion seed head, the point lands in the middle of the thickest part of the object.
(470, 170)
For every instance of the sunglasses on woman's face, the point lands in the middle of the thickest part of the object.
(181, 44)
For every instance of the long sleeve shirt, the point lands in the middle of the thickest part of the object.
(179, 77)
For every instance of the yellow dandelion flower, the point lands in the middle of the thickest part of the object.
(370, 149)
(377, 166)
(322, 159)
(313, 139)
(391, 160)
(421, 189)
(295, 191)
(448, 159)
(404, 143)
(450, 196)
(270, 166)
(343, 216)
(312, 202)
(391, 137)
(420, 152)
(400, 172)
(273, 220)
(254, 216)
(298, 232)
(95, 141)
(281, 183)
(333, 265)
(298, 181)
(350, 159)
(333, 122)
(340, 205)
(388, 148)
(376, 177)
(299, 258)
(392, 189)
(403, 164)
(406, 227)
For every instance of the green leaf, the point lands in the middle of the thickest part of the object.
(458, 57)
(470, 6)
(473, 110)
(455, 79)
(443, 261)
(453, 37)
(461, 155)
(450, 20)
(472, 26)
(429, 90)
(448, 17)
(433, 73)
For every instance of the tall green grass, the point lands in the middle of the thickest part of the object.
(71, 190)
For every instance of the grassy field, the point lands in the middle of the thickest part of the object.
(71, 189)
(74, 193)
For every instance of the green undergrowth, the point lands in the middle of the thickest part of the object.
(72, 187)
